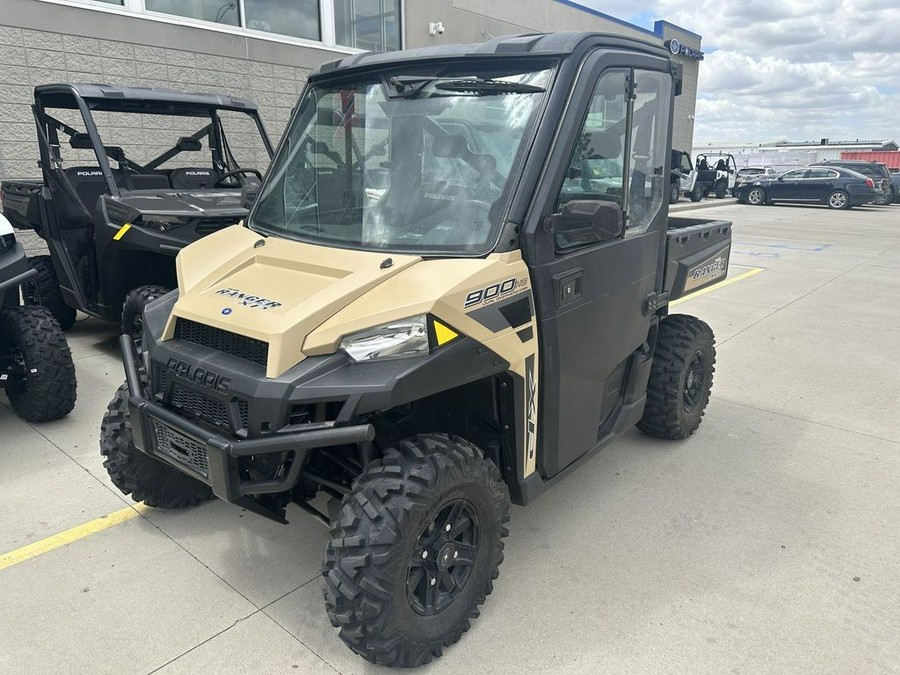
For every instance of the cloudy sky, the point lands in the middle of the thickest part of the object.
(794, 69)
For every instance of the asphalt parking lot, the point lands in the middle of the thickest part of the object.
(766, 543)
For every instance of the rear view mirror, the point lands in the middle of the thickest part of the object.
(583, 222)
(188, 144)
(249, 194)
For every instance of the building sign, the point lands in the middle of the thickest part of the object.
(677, 48)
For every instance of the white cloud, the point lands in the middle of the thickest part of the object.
(802, 70)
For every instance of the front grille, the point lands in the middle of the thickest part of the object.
(241, 346)
(197, 406)
(209, 410)
(182, 449)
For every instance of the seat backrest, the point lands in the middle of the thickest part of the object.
(89, 185)
(193, 178)
(146, 181)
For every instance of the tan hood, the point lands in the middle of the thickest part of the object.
(271, 289)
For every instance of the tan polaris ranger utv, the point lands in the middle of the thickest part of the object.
(451, 290)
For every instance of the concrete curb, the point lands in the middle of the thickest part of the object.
(704, 204)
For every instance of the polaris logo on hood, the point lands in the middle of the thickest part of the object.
(248, 300)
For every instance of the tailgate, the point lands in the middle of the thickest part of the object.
(697, 253)
(17, 197)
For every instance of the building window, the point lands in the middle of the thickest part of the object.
(367, 24)
(372, 25)
(215, 11)
(295, 18)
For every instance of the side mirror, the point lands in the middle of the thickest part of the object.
(249, 195)
(583, 222)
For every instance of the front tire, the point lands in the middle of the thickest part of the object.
(838, 200)
(415, 550)
(134, 473)
(696, 194)
(721, 189)
(756, 197)
(133, 311)
(43, 290)
(674, 194)
(43, 386)
(680, 378)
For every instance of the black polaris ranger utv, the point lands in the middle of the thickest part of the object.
(452, 290)
(114, 216)
(36, 369)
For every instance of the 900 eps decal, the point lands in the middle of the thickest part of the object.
(494, 292)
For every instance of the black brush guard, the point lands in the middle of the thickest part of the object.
(221, 471)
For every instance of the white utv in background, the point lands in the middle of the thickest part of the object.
(36, 369)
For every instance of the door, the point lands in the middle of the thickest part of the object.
(591, 293)
(818, 184)
(789, 187)
(688, 175)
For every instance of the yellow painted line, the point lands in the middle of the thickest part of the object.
(72, 534)
(122, 230)
(709, 289)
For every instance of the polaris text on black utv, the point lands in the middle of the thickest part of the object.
(36, 369)
(115, 215)
(452, 289)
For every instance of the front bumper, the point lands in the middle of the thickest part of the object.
(213, 458)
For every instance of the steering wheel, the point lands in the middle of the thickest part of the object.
(236, 172)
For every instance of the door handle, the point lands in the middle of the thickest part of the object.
(569, 287)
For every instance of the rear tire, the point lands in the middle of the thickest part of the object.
(838, 200)
(46, 388)
(43, 290)
(133, 311)
(696, 194)
(680, 378)
(391, 544)
(134, 473)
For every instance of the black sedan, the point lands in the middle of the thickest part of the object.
(837, 187)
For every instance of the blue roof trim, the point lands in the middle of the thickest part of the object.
(658, 26)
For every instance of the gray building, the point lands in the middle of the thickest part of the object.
(258, 49)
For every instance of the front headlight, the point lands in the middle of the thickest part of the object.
(394, 340)
(6, 241)
(162, 222)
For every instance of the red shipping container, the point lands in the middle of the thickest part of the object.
(889, 157)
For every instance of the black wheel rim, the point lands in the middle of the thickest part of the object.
(18, 369)
(443, 558)
(693, 382)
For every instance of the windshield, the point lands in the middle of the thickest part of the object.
(403, 162)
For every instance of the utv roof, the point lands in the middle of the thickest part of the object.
(137, 99)
(531, 44)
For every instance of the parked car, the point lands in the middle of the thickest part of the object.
(834, 186)
(751, 173)
(877, 171)
(895, 182)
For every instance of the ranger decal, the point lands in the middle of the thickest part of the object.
(248, 300)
